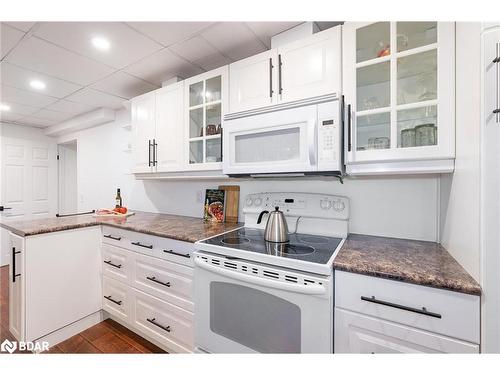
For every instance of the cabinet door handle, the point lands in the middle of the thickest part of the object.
(496, 111)
(142, 245)
(349, 128)
(5, 208)
(113, 300)
(153, 279)
(153, 321)
(14, 274)
(178, 254)
(112, 237)
(280, 63)
(149, 153)
(155, 145)
(271, 77)
(112, 264)
(422, 311)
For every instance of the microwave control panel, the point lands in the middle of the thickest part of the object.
(329, 147)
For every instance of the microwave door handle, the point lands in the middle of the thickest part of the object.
(291, 287)
(312, 137)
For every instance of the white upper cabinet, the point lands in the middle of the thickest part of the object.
(205, 103)
(253, 82)
(311, 66)
(399, 83)
(143, 132)
(303, 69)
(169, 128)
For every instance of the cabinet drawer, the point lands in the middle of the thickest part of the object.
(116, 263)
(435, 310)
(116, 298)
(166, 280)
(356, 333)
(113, 236)
(166, 323)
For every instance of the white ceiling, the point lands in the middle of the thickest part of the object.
(80, 78)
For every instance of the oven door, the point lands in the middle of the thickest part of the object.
(278, 142)
(240, 313)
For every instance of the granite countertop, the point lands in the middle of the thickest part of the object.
(182, 228)
(416, 262)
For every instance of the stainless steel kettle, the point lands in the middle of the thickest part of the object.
(276, 227)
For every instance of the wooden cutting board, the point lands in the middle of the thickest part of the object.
(232, 194)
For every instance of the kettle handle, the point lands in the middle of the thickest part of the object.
(260, 216)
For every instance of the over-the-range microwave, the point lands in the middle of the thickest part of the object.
(291, 140)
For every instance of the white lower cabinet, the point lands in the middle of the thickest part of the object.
(16, 280)
(358, 333)
(145, 289)
(375, 315)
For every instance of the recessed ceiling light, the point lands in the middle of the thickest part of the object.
(4, 107)
(38, 85)
(101, 43)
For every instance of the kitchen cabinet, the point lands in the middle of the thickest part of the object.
(399, 84)
(157, 130)
(150, 289)
(51, 290)
(205, 98)
(309, 67)
(375, 315)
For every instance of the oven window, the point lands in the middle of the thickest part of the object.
(275, 145)
(255, 319)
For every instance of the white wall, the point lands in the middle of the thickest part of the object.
(399, 207)
(460, 191)
(68, 179)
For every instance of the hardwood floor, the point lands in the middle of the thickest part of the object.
(105, 337)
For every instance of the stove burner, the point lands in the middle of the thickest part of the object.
(251, 232)
(284, 249)
(234, 240)
(313, 239)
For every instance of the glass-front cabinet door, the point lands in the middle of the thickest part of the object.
(399, 91)
(205, 98)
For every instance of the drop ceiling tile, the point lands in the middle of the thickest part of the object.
(213, 61)
(162, 66)
(193, 49)
(9, 37)
(234, 40)
(126, 44)
(124, 85)
(70, 107)
(266, 30)
(168, 33)
(96, 98)
(46, 114)
(20, 109)
(15, 95)
(15, 76)
(46, 58)
(35, 121)
(23, 26)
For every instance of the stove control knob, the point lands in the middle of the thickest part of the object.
(325, 204)
(339, 206)
(258, 202)
(249, 202)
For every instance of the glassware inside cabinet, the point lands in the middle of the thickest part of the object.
(373, 41)
(373, 89)
(417, 127)
(417, 77)
(415, 34)
(373, 131)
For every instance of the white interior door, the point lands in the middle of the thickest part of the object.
(68, 180)
(28, 173)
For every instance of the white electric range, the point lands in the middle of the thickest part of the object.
(256, 296)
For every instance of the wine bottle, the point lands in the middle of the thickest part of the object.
(118, 198)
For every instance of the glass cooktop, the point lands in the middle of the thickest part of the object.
(304, 247)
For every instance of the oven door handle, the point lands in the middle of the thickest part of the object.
(291, 287)
(312, 137)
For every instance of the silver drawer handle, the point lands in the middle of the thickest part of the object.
(112, 237)
(112, 264)
(142, 245)
(175, 253)
(112, 300)
(422, 311)
(153, 279)
(153, 321)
